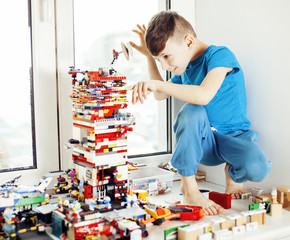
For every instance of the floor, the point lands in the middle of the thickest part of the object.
(275, 228)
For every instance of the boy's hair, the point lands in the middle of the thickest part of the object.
(164, 25)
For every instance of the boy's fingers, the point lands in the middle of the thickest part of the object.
(140, 28)
(140, 93)
(145, 91)
(130, 87)
(134, 94)
(139, 33)
(138, 48)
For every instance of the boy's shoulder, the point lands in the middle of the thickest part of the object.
(212, 49)
(219, 53)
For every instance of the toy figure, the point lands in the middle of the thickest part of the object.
(9, 226)
(134, 200)
(127, 202)
(107, 202)
(92, 203)
(72, 175)
(127, 50)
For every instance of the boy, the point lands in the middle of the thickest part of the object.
(212, 127)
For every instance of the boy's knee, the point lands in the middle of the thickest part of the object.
(189, 115)
(258, 168)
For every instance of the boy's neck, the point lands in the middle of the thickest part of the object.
(199, 48)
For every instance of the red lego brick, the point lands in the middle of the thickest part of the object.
(221, 198)
(88, 192)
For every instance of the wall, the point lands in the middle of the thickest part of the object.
(258, 33)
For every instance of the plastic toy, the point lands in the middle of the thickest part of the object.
(126, 49)
(221, 198)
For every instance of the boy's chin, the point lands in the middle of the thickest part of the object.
(178, 71)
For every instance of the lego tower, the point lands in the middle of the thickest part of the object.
(100, 126)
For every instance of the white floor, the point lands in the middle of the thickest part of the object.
(275, 227)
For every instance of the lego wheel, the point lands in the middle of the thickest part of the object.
(145, 234)
(159, 221)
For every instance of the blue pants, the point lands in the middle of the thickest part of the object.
(197, 143)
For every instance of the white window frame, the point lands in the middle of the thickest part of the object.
(65, 58)
(45, 93)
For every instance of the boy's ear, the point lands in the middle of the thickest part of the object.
(189, 40)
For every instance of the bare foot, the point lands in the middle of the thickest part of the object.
(198, 199)
(192, 196)
(235, 189)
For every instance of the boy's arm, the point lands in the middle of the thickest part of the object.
(154, 74)
(200, 95)
(152, 66)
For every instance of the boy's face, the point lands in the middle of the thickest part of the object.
(175, 56)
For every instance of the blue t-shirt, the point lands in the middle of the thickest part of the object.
(227, 110)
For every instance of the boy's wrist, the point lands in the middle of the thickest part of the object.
(158, 85)
(149, 57)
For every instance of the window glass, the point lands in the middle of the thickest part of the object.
(16, 135)
(100, 27)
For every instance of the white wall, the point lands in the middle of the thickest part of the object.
(258, 33)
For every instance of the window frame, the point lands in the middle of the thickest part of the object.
(65, 58)
(43, 94)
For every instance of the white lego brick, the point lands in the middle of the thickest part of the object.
(256, 191)
(252, 226)
(206, 236)
(246, 195)
(252, 212)
(217, 220)
(117, 143)
(123, 171)
(81, 172)
(108, 157)
(202, 225)
(234, 216)
(97, 183)
(239, 229)
(224, 234)
(83, 123)
(136, 234)
(104, 131)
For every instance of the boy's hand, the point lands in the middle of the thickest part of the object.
(142, 47)
(142, 89)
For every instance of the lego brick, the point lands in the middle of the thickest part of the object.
(223, 234)
(264, 197)
(276, 210)
(246, 195)
(205, 236)
(187, 233)
(261, 205)
(241, 221)
(227, 224)
(221, 198)
(259, 217)
(239, 229)
(252, 226)
(283, 196)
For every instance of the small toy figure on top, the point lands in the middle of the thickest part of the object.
(127, 50)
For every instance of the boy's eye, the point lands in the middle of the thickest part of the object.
(166, 56)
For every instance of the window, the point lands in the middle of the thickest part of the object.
(100, 27)
(17, 139)
(28, 93)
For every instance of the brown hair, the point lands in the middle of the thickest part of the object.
(164, 25)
